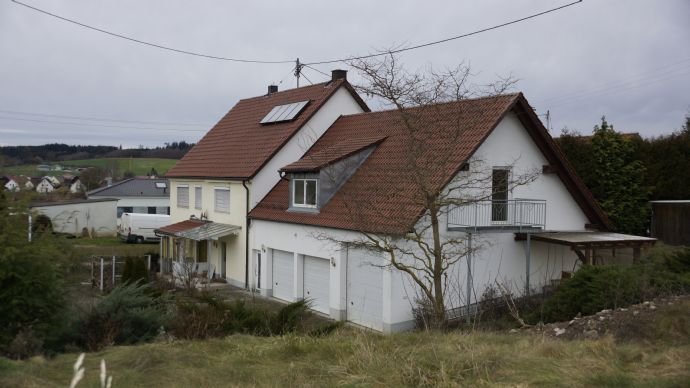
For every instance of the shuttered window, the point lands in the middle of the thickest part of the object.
(183, 196)
(222, 200)
(197, 197)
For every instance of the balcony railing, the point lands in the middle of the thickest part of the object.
(514, 214)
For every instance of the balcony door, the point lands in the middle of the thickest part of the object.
(499, 195)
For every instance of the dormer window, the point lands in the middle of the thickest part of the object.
(304, 192)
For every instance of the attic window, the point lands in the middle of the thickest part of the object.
(304, 192)
(287, 112)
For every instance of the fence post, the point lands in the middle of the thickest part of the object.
(113, 283)
(101, 285)
(148, 262)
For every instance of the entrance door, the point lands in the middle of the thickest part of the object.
(316, 282)
(364, 289)
(223, 258)
(499, 195)
(283, 275)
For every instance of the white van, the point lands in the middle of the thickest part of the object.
(135, 227)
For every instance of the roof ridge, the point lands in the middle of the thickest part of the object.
(514, 95)
(289, 90)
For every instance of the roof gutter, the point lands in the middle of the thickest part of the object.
(246, 236)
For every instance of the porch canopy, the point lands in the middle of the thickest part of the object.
(199, 230)
(584, 242)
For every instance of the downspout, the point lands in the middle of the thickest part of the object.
(246, 236)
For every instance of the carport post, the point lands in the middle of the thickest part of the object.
(469, 276)
(527, 266)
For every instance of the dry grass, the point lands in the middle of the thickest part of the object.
(354, 358)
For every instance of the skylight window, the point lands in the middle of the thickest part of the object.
(287, 112)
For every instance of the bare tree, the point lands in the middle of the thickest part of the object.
(428, 179)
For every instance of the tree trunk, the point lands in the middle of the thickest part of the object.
(438, 302)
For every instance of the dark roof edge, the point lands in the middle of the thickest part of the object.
(577, 188)
(98, 190)
(71, 202)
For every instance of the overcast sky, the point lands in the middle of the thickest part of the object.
(626, 59)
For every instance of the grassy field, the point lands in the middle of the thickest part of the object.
(111, 246)
(353, 358)
(139, 166)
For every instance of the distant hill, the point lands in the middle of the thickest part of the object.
(118, 167)
(51, 153)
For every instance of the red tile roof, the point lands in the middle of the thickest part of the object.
(332, 153)
(238, 146)
(382, 196)
(180, 226)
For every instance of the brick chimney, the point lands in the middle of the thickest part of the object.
(338, 74)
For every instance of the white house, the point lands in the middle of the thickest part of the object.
(213, 187)
(147, 195)
(356, 181)
(47, 184)
(10, 183)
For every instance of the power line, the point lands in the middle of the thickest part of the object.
(322, 62)
(101, 125)
(443, 40)
(243, 60)
(23, 113)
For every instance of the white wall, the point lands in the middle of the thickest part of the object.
(72, 218)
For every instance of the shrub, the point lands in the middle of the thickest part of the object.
(594, 288)
(135, 270)
(206, 316)
(127, 315)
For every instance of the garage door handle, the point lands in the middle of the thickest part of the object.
(276, 283)
(352, 303)
(308, 293)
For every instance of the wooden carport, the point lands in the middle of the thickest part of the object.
(583, 243)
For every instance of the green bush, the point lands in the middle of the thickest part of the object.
(594, 288)
(31, 285)
(127, 315)
(135, 270)
(206, 316)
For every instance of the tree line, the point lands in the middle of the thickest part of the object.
(625, 171)
(56, 152)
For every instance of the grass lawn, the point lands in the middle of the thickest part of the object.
(354, 358)
(139, 166)
(111, 246)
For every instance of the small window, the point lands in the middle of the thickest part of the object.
(221, 199)
(183, 196)
(197, 197)
(304, 192)
(151, 210)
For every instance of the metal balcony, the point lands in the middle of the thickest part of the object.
(506, 215)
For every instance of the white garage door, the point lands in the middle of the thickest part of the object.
(364, 289)
(316, 282)
(283, 278)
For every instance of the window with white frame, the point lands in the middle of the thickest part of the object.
(221, 199)
(182, 196)
(197, 197)
(304, 192)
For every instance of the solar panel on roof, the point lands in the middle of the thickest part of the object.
(286, 112)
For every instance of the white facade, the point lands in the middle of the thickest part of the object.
(381, 298)
(11, 185)
(233, 259)
(76, 217)
(45, 186)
